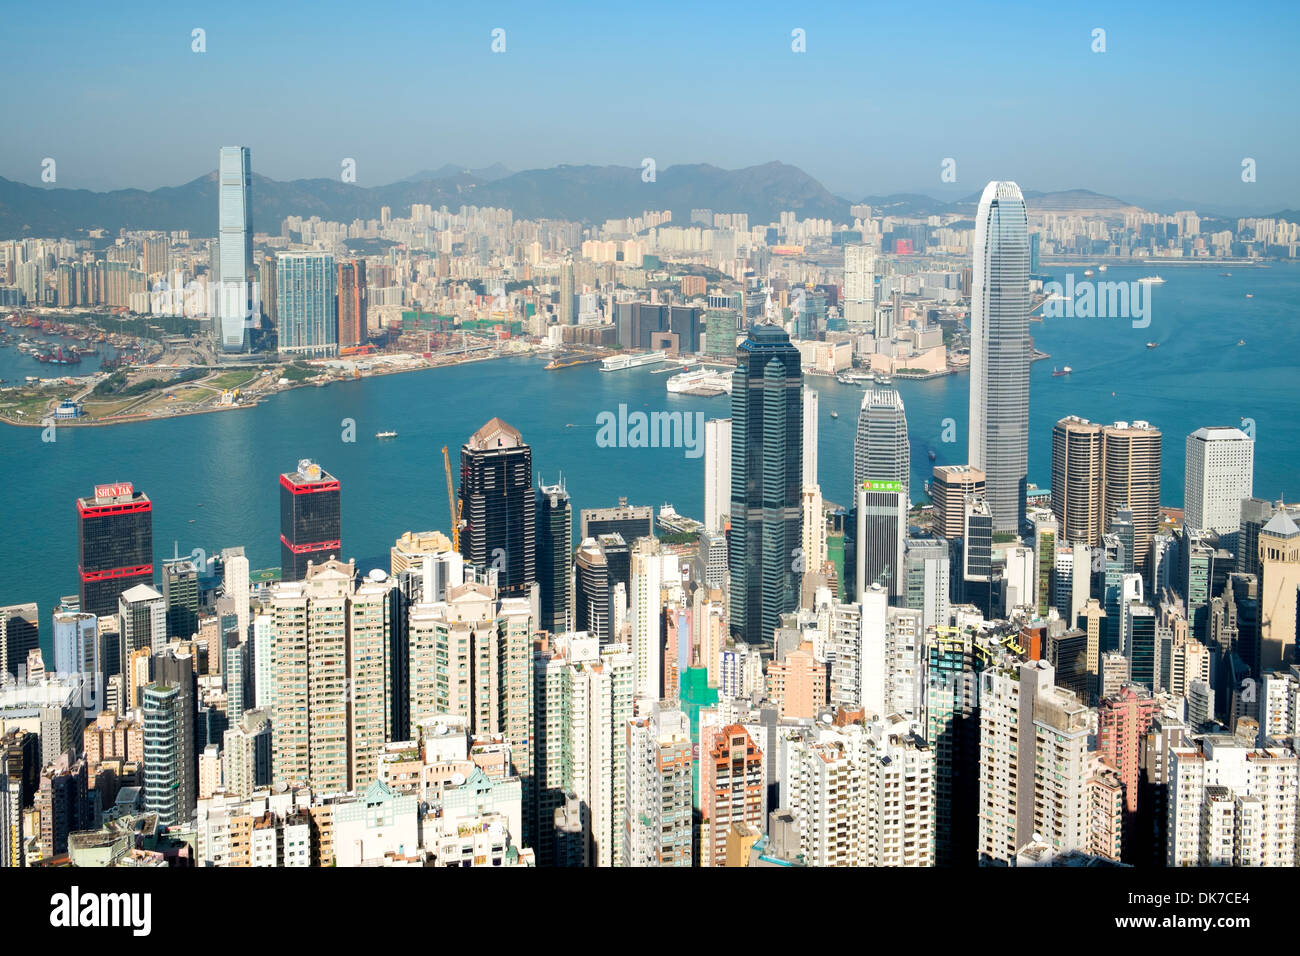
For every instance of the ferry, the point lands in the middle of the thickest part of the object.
(1151, 280)
(382, 435)
(1058, 372)
(884, 380)
(701, 382)
(1153, 345)
(855, 378)
(616, 363)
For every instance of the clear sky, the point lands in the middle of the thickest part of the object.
(883, 94)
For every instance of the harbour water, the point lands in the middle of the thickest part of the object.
(213, 478)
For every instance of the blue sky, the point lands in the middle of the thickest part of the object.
(883, 94)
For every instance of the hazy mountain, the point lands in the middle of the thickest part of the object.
(588, 193)
(487, 174)
(583, 193)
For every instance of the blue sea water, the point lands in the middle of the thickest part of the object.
(214, 478)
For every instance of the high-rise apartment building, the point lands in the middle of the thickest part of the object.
(862, 794)
(658, 827)
(1232, 803)
(859, 288)
(332, 678)
(352, 295)
(732, 789)
(306, 304)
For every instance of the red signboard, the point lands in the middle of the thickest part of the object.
(122, 488)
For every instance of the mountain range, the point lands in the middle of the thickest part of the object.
(583, 193)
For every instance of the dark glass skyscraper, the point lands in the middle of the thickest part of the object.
(554, 556)
(766, 474)
(115, 534)
(498, 506)
(310, 519)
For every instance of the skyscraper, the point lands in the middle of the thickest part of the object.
(1219, 472)
(880, 448)
(809, 437)
(859, 291)
(658, 829)
(306, 306)
(766, 472)
(310, 518)
(1076, 479)
(717, 472)
(1279, 580)
(554, 556)
(351, 285)
(882, 527)
(236, 272)
(999, 361)
(1131, 476)
(498, 506)
(950, 486)
(115, 543)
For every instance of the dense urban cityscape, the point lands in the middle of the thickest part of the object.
(644, 628)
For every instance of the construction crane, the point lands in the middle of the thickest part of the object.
(453, 505)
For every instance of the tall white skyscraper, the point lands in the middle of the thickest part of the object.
(235, 299)
(809, 437)
(717, 472)
(999, 360)
(1220, 469)
(859, 293)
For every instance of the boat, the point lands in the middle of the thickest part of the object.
(1101, 268)
(855, 378)
(1058, 372)
(1151, 280)
(701, 382)
(1087, 272)
(1226, 275)
(884, 380)
(1241, 341)
(933, 456)
(1250, 295)
(1153, 345)
(389, 434)
(617, 363)
(835, 414)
